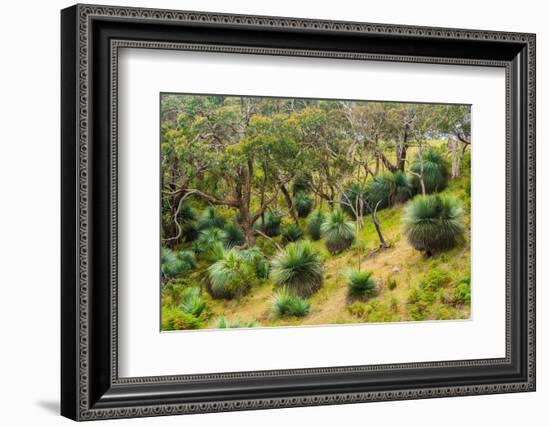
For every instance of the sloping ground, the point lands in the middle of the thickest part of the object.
(400, 263)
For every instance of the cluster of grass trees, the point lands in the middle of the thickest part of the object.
(267, 192)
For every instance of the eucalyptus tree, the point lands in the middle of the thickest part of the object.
(227, 154)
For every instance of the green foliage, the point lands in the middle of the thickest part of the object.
(425, 299)
(374, 311)
(209, 219)
(435, 171)
(354, 196)
(433, 224)
(176, 262)
(361, 284)
(303, 204)
(286, 304)
(298, 268)
(176, 319)
(232, 276)
(271, 225)
(301, 183)
(392, 283)
(435, 279)
(461, 294)
(338, 233)
(233, 235)
(388, 189)
(314, 222)
(207, 239)
(173, 290)
(402, 189)
(223, 323)
(291, 233)
(187, 213)
(192, 301)
(255, 257)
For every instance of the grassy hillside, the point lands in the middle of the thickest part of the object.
(411, 286)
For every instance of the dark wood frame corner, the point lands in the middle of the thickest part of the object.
(91, 37)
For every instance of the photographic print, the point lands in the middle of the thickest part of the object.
(303, 212)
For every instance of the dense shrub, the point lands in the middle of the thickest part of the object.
(291, 233)
(173, 290)
(176, 262)
(210, 219)
(338, 233)
(256, 258)
(271, 224)
(223, 323)
(361, 284)
(432, 223)
(233, 235)
(298, 268)
(232, 276)
(173, 318)
(435, 173)
(192, 301)
(374, 311)
(392, 283)
(303, 204)
(286, 304)
(379, 191)
(461, 294)
(314, 222)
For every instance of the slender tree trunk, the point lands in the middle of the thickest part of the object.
(456, 156)
(401, 149)
(289, 203)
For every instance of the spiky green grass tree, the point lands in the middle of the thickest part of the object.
(232, 276)
(233, 235)
(271, 224)
(337, 231)
(175, 263)
(291, 233)
(209, 218)
(433, 223)
(286, 304)
(434, 169)
(361, 284)
(298, 268)
(314, 222)
(303, 204)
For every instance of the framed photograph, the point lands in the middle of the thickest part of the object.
(263, 212)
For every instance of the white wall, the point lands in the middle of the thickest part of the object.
(29, 225)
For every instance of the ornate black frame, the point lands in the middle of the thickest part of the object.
(91, 37)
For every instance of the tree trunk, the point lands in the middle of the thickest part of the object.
(401, 152)
(249, 233)
(456, 156)
(289, 202)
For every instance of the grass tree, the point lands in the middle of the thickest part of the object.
(314, 222)
(298, 268)
(291, 233)
(286, 304)
(361, 284)
(303, 204)
(429, 171)
(433, 223)
(175, 263)
(337, 231)
(232, 276)
(233, 235)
